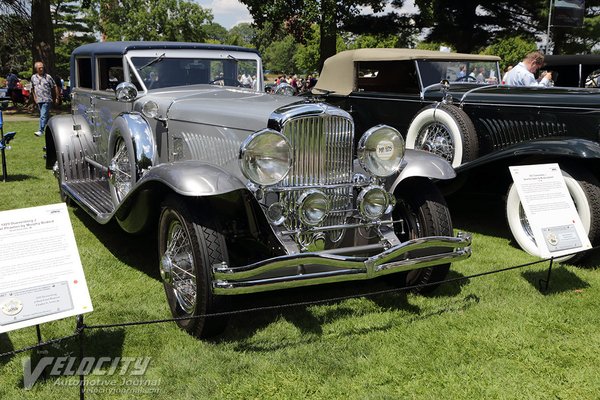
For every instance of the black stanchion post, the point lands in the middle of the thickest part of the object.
(3, 149)
(547, 280)
(80, 328)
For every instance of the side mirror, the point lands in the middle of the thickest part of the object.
(126, 92)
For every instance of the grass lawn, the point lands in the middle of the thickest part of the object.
(493, 337)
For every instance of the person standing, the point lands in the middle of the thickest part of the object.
(522, 73)
(11, 83)
(45, 92)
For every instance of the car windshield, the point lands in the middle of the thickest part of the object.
(458, 71)
(162, 72)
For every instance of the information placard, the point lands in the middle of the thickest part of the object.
(550, 211)
(41, 276)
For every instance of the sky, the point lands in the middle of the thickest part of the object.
(229, 13)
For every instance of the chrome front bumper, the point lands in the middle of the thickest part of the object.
(251, 278)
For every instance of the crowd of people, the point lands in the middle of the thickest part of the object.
(300, 85)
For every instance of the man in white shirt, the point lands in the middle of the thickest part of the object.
(522, 73)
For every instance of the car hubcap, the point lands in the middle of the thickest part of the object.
(436, 139)
(120, 170)
(177, 267)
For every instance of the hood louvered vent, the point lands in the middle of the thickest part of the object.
(502, 133)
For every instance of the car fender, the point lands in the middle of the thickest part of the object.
(63, 137)
(418, 163)
(193, 178)
(188, 178)
(573, 148)
(134, 129)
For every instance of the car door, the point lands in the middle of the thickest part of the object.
(104, 101)
(83, 104)
(387, 92)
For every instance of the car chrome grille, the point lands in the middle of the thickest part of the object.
(323, 154)
(503, 133)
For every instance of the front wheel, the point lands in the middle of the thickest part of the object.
(423, 209)
(585, 192)
(188, 248)
(446, 131)
(122, 170)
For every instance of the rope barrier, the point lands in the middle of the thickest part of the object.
(81, 327)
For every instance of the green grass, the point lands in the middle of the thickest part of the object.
(493, 337)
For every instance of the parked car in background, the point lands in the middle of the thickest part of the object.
(440, 104)
(581, 70)
(248, 191)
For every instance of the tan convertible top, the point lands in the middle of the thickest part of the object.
(338, 73)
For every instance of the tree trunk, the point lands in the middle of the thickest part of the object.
(328, 31)
(43, 34)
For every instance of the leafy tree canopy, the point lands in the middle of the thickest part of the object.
(511, 50)
(173, 20)
(297, 16)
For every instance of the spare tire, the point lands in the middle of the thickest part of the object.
(446, 131)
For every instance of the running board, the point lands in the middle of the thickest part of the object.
(93, 196)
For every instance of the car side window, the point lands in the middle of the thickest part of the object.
(110, 73)
(84, 73)
(387, 76)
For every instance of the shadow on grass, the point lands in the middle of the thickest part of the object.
(17, 177)
(244, 326)
(97, 344)
(136, 250)
(5, 346)
(561, 280)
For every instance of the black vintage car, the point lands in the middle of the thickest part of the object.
(581, 70)
(453, 105)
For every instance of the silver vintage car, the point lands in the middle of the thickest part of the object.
(248, 191)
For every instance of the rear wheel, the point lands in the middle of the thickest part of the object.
(187, 250)
(424, 211)
(585, 192)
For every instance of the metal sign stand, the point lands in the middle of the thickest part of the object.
(4, 139)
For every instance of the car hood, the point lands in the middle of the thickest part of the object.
(226, 107)
(520, 95)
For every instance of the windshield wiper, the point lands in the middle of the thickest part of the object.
(232, 58)
(157, 59)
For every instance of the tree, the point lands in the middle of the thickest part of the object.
(216, 33)
(297, 17)
(70, 30)
(245, 32)
(510, 50)
(280, 55)
(173, 20)
(42, 47)
(471, 25)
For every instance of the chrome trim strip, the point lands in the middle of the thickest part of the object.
(246, 279)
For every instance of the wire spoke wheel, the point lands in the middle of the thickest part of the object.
(121, 170)
(179, 252)
(188, 247)
(436, 139)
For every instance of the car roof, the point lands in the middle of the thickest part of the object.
(338, 71)
(567, 59)
(112, 48)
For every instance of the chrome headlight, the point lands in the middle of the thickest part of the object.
(313, 206)
(374, 201)
(265, 157)
(380, 150)
(150, 109)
